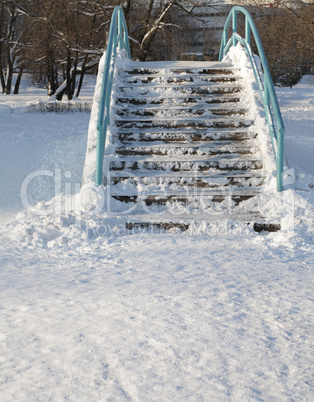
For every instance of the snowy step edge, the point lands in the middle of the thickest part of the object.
(245, 143)
(198, 111)
(189, 193)
(181, 71)
(188, 158)
(178, 101)
(187, 218)
(185, 132)
(163, 183)
(178, 91)
(230, 145)
(187, 152)
(143, 125)
(177, 107)
(132, 138)
(223, 226)
(171, 86)
(183, 165)
(179, 79)
(138, 120)
(195, 175)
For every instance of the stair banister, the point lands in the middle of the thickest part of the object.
(118, 36)
(266, 87)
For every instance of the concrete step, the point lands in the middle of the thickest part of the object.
(189, 149)
(146, 101)
(189, 202)
(227, 225)
(177, 90)
(201, 201)
(183, 135)
(179, 123)
(178, 79)
(179, 68)
(221, 164)
(186, 112)
(171, 182)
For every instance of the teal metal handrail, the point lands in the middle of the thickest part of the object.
(263, 79)
(118, 36)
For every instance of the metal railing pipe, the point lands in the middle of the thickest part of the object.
(118, 36)
(266, 87)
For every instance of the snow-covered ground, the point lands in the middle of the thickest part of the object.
(95, 316)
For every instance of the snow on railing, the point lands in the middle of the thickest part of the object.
(118, 36)
(263, 79)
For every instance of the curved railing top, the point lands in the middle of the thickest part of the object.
(266, 87)
(118, 36)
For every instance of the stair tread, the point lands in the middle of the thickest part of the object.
(184, 158)
(193, 131)
(200, 145)
(179, 112)
(181, 90)
(195, 192)
(185, 131)
(195, 150)
(182, 165)
(178, 64)
(170, 74)
(157, 118)
(196, 175)
(192, 96)
(204, 225)
(168, 218)
(198, 106)
(220, 85)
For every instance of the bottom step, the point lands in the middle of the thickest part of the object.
(238, 224)
(207, 229)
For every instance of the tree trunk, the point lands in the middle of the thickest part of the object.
(151, 28)
(18, 81)
(74, 74)
(81, 77)
(1, 47)
(127, 10)
(52, 87)
(61, 91)
(2, 79)
(68, 75)
(9, 77)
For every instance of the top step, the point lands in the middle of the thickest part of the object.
(180, 67)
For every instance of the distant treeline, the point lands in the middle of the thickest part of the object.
(59, 41)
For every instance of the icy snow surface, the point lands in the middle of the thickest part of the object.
(90, 314)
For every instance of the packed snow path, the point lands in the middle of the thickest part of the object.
(157, 318)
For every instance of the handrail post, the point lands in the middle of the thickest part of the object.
(280, 157)
(234, 26)
(99, 156)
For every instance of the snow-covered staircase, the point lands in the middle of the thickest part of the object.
(185, 148)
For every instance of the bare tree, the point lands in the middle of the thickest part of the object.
(154, 25)
(68, 38)
(13, 32)
(287, 34)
